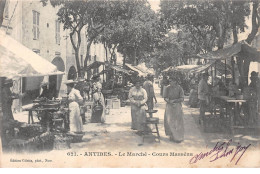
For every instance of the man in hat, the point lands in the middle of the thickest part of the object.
(45, 92)
(87, 87)
(203, 92)
(97, 86)
(7, 99)
(252, 101)
(148, 86)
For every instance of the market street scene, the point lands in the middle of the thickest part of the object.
(159, 76)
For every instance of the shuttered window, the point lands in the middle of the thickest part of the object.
(36, 31)
(57, 32)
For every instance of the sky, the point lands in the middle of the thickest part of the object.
(154, 4)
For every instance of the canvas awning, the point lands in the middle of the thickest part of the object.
(168, 69)
(95, 64)
(220, 66)
(241, 48)
(140, 73)
(119, 68)
(182, 68)
(142, 67)
(201, 68)
(17, 60)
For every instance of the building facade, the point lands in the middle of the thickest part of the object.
(38, 28)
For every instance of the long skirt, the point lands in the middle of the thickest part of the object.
(138, 115)
(193, 98)
(173, 121)
(96, 116)
(75, 118)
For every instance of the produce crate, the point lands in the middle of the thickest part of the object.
(115, 103)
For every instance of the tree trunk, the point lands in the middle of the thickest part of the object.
(234, 30)
(2, 8)
(255, 23)
(245, 62)
(88, 52)
(77, 62)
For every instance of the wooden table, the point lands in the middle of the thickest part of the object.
(232, 104)
(45, 113)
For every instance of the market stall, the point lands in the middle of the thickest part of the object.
(231, 109)
(16, 62)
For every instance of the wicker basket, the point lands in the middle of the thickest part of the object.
(76, 137)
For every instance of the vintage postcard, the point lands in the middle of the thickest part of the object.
(129, 84)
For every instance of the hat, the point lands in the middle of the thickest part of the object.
(254, 74)
(44, 84)
(8, 81)
(70, 82)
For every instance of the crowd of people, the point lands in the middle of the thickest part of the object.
(202, 92)
(142, 98)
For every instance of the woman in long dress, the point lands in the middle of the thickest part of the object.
(75, 99)
(138, 98)
(98, 112)
(173, 117)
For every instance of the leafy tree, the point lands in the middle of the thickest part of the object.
(210, 22)
(134, 31)
(173, 50)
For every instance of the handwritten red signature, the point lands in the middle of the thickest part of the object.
(221, 150)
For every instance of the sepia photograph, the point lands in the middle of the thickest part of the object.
(129, 83)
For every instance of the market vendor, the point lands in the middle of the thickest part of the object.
(86, 88)
(193, 97)
(219, 87)
(250, 93)
(148, 86)
(45, 91)
(96, 84)
(75, 99)
(98, 108)
(203, 95)
(7, 99)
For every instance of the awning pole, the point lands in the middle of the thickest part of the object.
(211, 74)
(103, 73)
(225, 71)
(215, 70)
